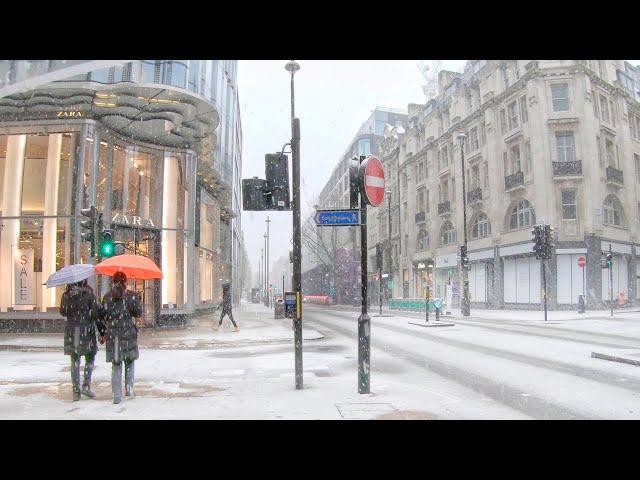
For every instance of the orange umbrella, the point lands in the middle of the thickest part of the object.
(133, 266)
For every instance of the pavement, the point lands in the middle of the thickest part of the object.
(504, 368)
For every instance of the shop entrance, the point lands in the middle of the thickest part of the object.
(146, 242)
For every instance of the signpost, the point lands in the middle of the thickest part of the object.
(582, 263)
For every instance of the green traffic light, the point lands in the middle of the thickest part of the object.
(107, 249)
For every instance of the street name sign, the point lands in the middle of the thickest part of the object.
(337, 218)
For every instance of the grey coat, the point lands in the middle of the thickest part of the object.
(82, 311)
(121, 330)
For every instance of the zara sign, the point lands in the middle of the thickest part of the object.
(132, 220)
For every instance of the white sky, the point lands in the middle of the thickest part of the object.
(332, 100)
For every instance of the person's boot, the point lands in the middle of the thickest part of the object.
(236, 329)
(75, 378)
(128, 378)
(116, 382)
(86, 385)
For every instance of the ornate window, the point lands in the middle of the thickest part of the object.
(423, 240)
(481, 227)
(447, 233)
(522, 215)
(613, 213)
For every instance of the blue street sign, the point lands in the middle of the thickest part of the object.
(336, 218)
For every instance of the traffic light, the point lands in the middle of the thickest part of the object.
(354, 189)
(276, 167)
(255, 194)
(464, 258)
(88, 227)
(537, 233)
(548, 241)
(107, 245)
(609, 260)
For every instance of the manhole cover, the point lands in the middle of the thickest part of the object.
(364, 411)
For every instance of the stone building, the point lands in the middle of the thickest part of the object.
(547, 141)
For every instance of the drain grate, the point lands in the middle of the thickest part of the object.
(364, 411)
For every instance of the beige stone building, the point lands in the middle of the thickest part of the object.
(547, 141)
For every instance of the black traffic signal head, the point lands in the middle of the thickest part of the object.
(90, 227)
(464, 258)
(609, 259)
(255, 194)
(276, 167)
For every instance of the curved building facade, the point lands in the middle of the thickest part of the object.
(139, 140)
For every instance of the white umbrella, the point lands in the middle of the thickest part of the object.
(71, 274)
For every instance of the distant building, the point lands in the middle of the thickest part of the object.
(331, 255)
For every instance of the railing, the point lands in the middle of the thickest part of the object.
(420, 217)
(567, 168)
(512, 181)
(614, 175)
(444, 207)
(474, 195)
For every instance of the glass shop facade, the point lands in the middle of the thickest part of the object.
(52, 168)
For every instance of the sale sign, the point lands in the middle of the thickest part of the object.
(24, 277)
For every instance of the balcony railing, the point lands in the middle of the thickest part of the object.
(420, 217)
(567, 168)
(614, 175)
(474, 195)
(444, 207)
(512, 181)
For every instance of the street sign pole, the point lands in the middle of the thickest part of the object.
(544, 287)
(364, 322)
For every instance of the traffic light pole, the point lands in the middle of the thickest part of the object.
(297, 245)
(379, 261)
(465, 304)
(611, 278)
(544, 287)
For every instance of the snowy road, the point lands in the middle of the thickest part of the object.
(544, 371)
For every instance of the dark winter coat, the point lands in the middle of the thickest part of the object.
(226, 300)
(82, 312)
(121, 331)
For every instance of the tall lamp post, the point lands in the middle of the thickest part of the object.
(292, 67)
(465, 304)
(268, 286)
(388, 193)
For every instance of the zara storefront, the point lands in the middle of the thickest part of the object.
(56, 164)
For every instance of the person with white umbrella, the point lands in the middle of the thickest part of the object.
(82, 312)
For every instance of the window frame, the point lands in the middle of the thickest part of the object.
(556, 99)
(562, 148)
(573, 204)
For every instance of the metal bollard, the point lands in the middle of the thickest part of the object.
(437, 314)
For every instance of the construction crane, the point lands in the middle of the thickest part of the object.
(430, 70)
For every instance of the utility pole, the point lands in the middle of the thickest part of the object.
(465, 304)
(388, 193)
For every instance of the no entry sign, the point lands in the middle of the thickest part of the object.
(582, 262)
(372, 182)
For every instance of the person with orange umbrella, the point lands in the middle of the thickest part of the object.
(120, 307)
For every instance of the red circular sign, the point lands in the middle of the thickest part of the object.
(582, 262)
(372, 180)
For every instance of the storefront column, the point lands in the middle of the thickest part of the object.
(190, 219)
(11, 207)
(50, 225)
(169, 224)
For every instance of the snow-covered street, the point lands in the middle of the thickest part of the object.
(478, 369)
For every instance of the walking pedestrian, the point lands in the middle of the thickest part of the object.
(119, 307)
(82, 312)
(226, 307)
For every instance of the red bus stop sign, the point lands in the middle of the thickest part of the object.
(582, 262)
(371, 175)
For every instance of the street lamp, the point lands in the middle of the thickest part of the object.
(388, 193)
(292, 67)
(465, 304)
(268, 221)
